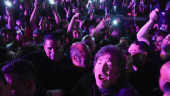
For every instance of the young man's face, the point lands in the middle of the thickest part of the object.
(53, 49)
(5, 90)
(106, 71)
(18, 89)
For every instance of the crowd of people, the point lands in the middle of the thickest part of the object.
(60, 48)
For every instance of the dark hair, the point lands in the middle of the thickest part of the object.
(2, 77)
(160, 33)
(114, 51)
(143, 46)
(61, 32)
(38, 31)
(4, 55)
(77, 49)
(26, 48)
(104, 42)
(23, 68)
(128, 39)
(54, 37)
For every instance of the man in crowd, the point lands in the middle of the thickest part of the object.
(81, 64)
(109, 69)
(144, 73)
(48, 62)
(21, 75)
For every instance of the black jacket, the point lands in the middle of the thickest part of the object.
(48, 72)
(87, 87)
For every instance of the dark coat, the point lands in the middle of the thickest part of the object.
(48, 72)
(87, 87)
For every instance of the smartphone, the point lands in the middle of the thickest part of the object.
(84, 17)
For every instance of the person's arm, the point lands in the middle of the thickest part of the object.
(34, 15)
(70, 28)
(57, 16)
(142, 34)
(167, 6)
(131, 3)
(103, 24)
(10, 13)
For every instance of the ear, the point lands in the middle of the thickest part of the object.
(74, 59)
(30, 84)
(9, 88)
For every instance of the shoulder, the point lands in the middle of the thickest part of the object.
(54, 93)
(128, 90)
(33, 54)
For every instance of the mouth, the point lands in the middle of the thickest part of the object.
(102, 77)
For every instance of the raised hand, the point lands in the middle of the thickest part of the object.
(154, 14)
(37, 5)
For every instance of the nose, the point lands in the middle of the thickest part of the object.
(104, 67)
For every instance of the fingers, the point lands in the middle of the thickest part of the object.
(154, 14)
(75, 10)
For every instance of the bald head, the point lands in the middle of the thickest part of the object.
(164, 80)
(89, 41)
(80, 54)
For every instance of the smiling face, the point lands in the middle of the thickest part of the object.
(106, 71)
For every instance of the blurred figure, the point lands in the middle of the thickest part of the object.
(21, 75)
(2, 41)
(38, 36)
(90, 42)
(9, 35)
(5, 87)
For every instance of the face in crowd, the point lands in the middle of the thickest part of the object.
(53, 49)
(106, 71)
